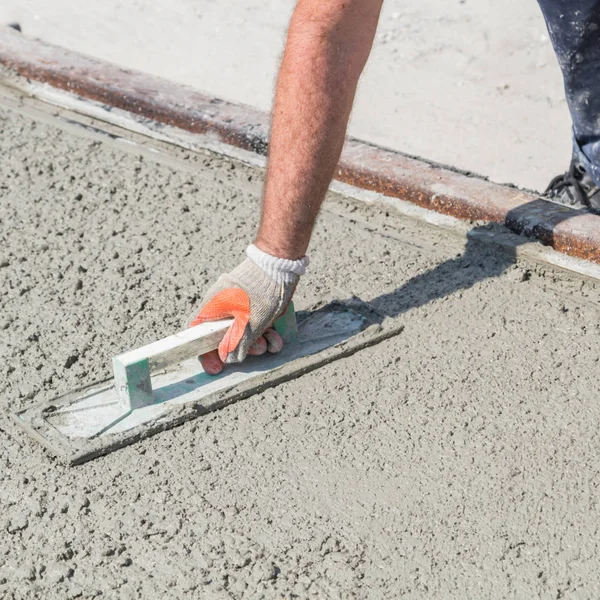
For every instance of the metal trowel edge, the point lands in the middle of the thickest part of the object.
(98, 419)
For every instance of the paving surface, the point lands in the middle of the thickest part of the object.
(473, 84)
(457, 460)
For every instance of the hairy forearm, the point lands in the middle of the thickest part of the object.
(328, 44)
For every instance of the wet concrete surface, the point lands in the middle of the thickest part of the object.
(456, 460)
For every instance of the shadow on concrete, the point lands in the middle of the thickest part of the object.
(479, 261)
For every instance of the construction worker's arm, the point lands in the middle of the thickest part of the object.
(328, 44)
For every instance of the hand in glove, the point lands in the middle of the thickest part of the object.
(254, 294)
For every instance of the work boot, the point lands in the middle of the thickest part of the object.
(575, 189)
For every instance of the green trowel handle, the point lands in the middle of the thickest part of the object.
(286, 325)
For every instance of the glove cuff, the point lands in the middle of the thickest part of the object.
(281, 270)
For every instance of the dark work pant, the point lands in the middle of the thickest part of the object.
(574, 28)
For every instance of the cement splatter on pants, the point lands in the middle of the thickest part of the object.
(574, 28)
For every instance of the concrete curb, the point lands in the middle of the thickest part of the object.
(26, 63)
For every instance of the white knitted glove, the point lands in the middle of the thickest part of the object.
(255, 293)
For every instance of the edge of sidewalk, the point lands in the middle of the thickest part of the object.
(172, 111)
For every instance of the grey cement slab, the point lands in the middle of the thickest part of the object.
(456, 460)
(471, 84)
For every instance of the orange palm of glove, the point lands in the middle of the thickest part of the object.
(233, 302)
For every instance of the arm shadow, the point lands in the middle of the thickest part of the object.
(475, 265)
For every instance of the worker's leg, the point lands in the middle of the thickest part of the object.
(574, 28)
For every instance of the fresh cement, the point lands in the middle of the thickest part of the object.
(456, 460)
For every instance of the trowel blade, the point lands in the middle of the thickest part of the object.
(91, 422)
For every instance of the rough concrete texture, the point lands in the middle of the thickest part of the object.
(457, 460)
(473, 84)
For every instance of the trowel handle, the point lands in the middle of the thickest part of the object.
(133, 369)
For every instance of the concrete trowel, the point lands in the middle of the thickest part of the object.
(162, 385)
